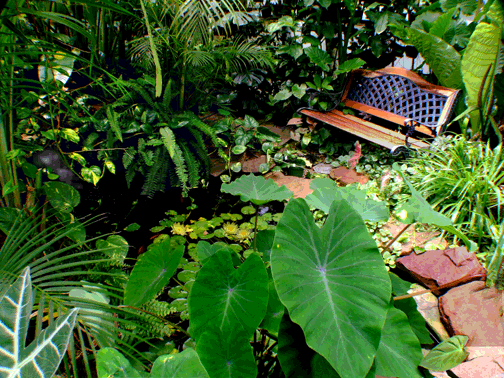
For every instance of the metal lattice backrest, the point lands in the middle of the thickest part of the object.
(398, 95)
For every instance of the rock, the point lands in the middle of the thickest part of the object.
(448, 268)
(298, 185)
(427, 305)
(347, 176)
(323, 168)
(252, 165)
(475, 311)
(482, 367)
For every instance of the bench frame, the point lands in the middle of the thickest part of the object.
(396, 95)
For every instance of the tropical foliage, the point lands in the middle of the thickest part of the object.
(148, 91)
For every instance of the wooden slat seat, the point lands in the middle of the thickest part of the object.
(397, 96)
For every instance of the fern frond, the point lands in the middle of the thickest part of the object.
(192, 164)
(147, 155)
(128, 156)
(197, 145)
(176, 156)
(158, 174)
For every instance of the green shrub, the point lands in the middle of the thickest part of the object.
(462, 180)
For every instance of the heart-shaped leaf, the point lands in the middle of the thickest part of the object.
(256, 189)
(226, 354)
(185, 364)
(62, 197)
(152, 272)
(230, 299)
(42, 357)
(205, 250)
(326, 191)
(112, 363)
(333, 282)
(296, 358)
(446, 355)
(115, 247)
(399, 353)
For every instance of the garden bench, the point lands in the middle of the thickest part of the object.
(391, 98)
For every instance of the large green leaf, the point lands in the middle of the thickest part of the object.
(230, 299)
(319, 57)
(409, 307)
(296, 358)
(112, 363)
(480, 54)
(180, 365)
(443, 59)
(205, 250)
(62, 197)
(326, 191)
(275, 310)
(446, 355)
(226, 354)
(256, 189)
(333, 282)
(399, 353)
(42, 357)
(152, 272)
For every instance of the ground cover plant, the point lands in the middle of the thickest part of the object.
(96, 97)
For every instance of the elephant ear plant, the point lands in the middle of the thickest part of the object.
(322, 302)
(42, 356)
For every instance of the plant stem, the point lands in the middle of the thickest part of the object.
(255, 226)
(387, 247)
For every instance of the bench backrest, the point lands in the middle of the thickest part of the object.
(397, 94)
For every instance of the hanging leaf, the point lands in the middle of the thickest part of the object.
(233, 300)
(446, 355)
(112, 363)
(480, 56)
(185, 364)
(62, 197)
(443, 59)
(323, 278)
(256, 189)
(226, 354)
(399, 353)
(42, 356)
(152, 272)
(326, 191)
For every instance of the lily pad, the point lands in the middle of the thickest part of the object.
(446, 355)
(152, 272)
(256, 189)
(333, 282)
(233, 300)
